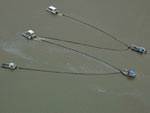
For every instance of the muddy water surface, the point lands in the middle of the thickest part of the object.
(37, 92)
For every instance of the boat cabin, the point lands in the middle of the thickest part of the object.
(29, 34)
(52, 10)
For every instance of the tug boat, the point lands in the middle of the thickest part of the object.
(11, 66)
(52, 10)
(139, 49)
(128, 73)
(29, 34)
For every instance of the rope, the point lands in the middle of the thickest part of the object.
(96, 28)
(61, 72)
(85, 54)
(84, 44)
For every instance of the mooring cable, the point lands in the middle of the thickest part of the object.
(62, 72)
(96, 28)
(87, 45)
(85, 54)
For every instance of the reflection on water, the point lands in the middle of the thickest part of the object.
(13, 49)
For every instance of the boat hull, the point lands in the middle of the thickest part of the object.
(53, 12)
(6, 66)
(125, 73)
(28, 36)
(134, 48)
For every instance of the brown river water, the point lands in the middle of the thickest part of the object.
(27, 91)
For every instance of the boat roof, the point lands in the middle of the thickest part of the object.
(52, 7)
(132, 72)
(31, 31)
(140, 47)
(11, 63)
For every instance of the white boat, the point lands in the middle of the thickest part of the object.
(52, 10)
(128, 73)
(138, 49)
(11, 66)
(29, 34)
